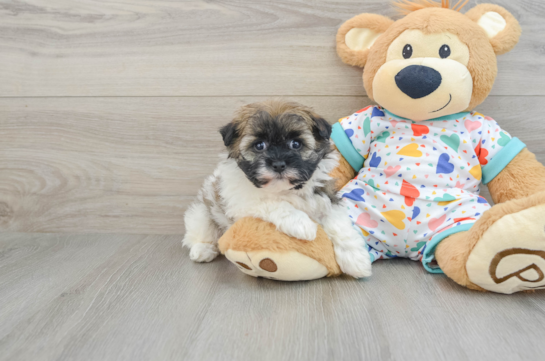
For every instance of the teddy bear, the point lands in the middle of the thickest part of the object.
(412, 166)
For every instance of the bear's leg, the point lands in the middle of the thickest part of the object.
(451, 255)
(259, 250)
(503, 252)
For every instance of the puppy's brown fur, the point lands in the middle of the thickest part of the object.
(275, 125)
(275, 108)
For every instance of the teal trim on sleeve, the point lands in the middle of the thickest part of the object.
(345, 146)
(429, 252)
(502, 159)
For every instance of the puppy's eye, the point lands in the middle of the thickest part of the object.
(444, 52)
(407, 51)
(260, 146)
(295, 144)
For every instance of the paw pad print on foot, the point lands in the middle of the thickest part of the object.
(268, 265)
(244, 265)
(284, 266)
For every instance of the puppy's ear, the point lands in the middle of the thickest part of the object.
(500, 26)
(229, 133)
(357, 35)
(321, 126)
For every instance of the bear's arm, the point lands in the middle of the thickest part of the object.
(522, 177)
(343, 173)
(358, 125)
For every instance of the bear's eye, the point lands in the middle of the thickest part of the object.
(407, 51)
(444, 52)
(260, 146)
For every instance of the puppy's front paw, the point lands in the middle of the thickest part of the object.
(302, 229)
(203, 252)
(355, 262)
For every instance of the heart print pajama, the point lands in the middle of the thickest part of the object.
(418, 183)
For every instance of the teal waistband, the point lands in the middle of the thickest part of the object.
(345, 146)
(502, 159)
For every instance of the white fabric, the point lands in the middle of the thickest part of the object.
(493, 23)
(360, 39)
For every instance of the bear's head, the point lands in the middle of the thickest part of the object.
(433, 62)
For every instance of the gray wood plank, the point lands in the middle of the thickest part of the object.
(112, 164)
(204, 48)
(121, 297)
(132, 165)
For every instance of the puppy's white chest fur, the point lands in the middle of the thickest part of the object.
(242, 199)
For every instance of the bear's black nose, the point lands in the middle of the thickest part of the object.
(418, 81)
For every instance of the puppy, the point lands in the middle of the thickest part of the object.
(277, 169)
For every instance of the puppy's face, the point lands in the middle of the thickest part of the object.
(278, 145)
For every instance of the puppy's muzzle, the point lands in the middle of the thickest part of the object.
(279, 166)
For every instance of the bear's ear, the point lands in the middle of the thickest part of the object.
(356, 36)
(502, 28)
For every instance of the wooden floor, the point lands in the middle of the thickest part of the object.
(109, 113)
(132, 297)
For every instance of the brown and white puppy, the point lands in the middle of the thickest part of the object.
(277, 169)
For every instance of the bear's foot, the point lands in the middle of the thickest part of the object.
(503, 252)
(510, 256)
(259, 250)
(282, 266)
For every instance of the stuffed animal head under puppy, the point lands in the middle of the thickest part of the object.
(433, 62)
(277, 144)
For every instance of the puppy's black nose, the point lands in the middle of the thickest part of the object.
(418, 81)
(279, 165)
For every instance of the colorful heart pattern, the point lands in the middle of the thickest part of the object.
(419, 129)
(504, 139)
(375, 161)
(365, 220)
(410, 192)
(367, 126)
(390, 171)
(445, 199)
(435, 223)
(410, 150)
(382, 138)
(452, 141)
(418, 179)
(476, 172)
(472, 125)
(355, 195)
(443, 165)
(395, 218)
